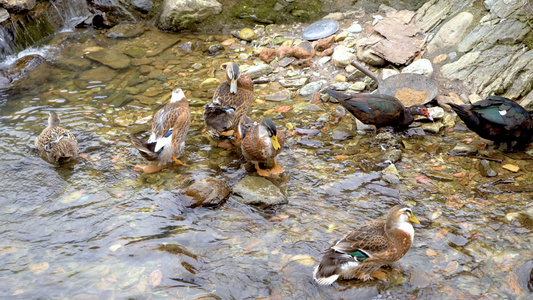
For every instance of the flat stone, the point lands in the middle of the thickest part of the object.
(311, 88)
(463, 150)
(111, 58)
(255, 190)
(247, 34)
(485, 169)
(355, 28)
(125, 31)
(421, 66)
(208, 192)
(4, 15)
(342, 56)
(210, 82)
(293, 82)
(103, 74)
(283, 95)
(259, 70)
(73, 64)
(320, 29)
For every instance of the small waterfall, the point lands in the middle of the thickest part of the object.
(46, 19)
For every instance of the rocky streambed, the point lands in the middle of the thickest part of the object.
(99, 229)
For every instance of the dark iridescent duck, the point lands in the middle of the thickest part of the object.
(366, 249)
(498, 119)
(261, 143)
(380, 109)
(231, 101)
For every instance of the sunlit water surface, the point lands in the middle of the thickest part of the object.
(98, 229)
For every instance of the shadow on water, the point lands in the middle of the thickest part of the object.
(97, 228)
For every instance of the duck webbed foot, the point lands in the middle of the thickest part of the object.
(179, 162)
(275, 171)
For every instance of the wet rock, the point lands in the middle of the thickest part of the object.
(22, 67)
(247, 34)
(73, 64)
(341, 135)
(485, 168)
(255, 190)
(293, 83)
(451, 33)
(143, 6)
(208, 192)
(267, 55)
(111, 58)
(215, 49)
(125, 31)
(463, 150)
(103, 74)
(436, 112)
(210, 82)
(421, 66)
(433, 127)
(179, 15)
(311, 88)
(342, 56)
(259, 70)
(392, 155)
(390, 174)
(340, 86)
(310, 143)
(283, 95)
(19, 6)
(309, 132)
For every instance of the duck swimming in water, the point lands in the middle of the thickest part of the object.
(56, 143)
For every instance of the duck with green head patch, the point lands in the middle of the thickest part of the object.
(366, 249)
(261, 143)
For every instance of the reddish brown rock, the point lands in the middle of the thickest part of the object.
(267, 55)
(303, 63)
(284, 51)
(323, 44)
(327, 52)
(303, 50)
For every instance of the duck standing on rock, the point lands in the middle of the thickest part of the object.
(498, 119)
(231, 101)
(363, 251)
(261, 143)
(56, 143)
(380, 109)
(167, 139)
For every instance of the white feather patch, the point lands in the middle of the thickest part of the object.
(407, 228)
(503, 112)
(162, 142)
(151, 139)
(325, 280)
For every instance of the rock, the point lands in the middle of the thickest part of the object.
(18, 6)
(358, 86)
(436, 112)
(255, 190)
(340, 86)
(440, 59)
(355, 28)
(125, 31)
(433, 127)
(210, 82)
(293, 82)
(311, 88)
(303, 50)
(143, 6)
(339, 78)
(283, 95)
(111, 58)
(421, 66)
(73, 64)
(485, 169)
(4, 15)
(340, 135)
(247, 34)
(392, 155)
(390, 174)
(451, 33)
(215, 49)
(463, 150)
(342, 56)
(208, 192)
(284, 51)
(181, 14)
(341, 36)
(267, 55)
(259, 70)
(323, 44)
(431, 14)
(102, 74)
(366, 54)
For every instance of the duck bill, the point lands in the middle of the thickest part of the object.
(413, 219)
(233, 86)
(275, 142)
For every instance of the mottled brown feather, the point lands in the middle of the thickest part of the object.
(56, 143)
(255, 149)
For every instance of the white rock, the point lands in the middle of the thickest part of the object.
(355, 28)
(451, 33)
(436, 112)
(421, 66)
(387, 73)
(342, 56)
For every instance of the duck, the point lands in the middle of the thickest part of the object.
(167, 137)
(56, 143)
(361, 253)
(231, 101)
(261, 143)
(380, 109)
(498, 119)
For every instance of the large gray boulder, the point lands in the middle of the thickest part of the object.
(181, 14)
